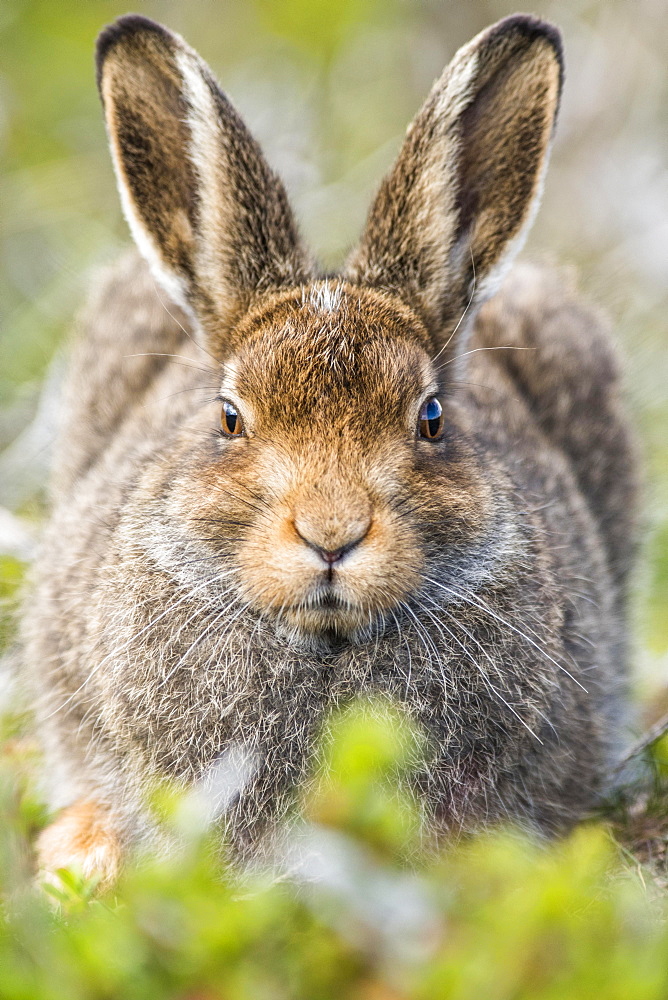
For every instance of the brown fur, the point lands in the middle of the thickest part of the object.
(199, 595)
(83, 840)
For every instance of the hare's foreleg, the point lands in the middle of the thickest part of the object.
(83, 839)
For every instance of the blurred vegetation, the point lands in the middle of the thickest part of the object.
(498, 917)
(328, 87)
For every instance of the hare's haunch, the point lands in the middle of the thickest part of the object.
(276, 490)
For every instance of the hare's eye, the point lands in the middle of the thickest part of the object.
(430, 423)
(230, 421)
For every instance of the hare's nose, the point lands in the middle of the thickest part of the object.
(332, 556)
(327, 548)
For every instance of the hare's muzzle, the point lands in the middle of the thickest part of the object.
(332, 562)
(334, 537)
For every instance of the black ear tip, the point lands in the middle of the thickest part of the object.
(531, 28)
(123, 28)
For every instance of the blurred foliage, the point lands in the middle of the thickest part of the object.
(498, 916)
(11, 575)
(318, 27)
(357, 784)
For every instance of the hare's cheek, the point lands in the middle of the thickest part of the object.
(275, 570)
(387, 569)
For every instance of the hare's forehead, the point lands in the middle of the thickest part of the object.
(331, 346)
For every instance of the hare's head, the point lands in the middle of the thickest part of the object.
(337, 468)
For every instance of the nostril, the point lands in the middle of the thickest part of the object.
(332, 556)
(329, 557)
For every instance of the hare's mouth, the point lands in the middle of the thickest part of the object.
(326, 617)
(327, 599)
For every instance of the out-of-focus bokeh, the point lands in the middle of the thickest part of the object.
(328, 86)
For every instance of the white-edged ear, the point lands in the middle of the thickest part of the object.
(205, 209)
(457, 205)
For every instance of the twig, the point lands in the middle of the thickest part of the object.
(653, 734)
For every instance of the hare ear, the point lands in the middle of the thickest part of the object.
(453, 212)
(204, 207)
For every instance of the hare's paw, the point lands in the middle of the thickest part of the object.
(83, 840)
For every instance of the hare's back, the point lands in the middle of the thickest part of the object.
(562, 363)
(129, 337)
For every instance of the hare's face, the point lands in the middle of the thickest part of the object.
(329, 505)
(335, 474)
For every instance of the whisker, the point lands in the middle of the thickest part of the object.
(461, 318)
(426, 641)
(196, 642)
(479, 667)
(476, 602)
(479, 350)
(185, 361)
(180, 324)
(119, 649)
(192, 388)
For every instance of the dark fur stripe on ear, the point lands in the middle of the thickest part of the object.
(127, 25)
(533, 29)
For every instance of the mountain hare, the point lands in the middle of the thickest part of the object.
(277, 489)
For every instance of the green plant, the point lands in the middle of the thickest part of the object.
(497, 916)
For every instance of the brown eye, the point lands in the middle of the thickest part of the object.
(230, 421)
(430, 424)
